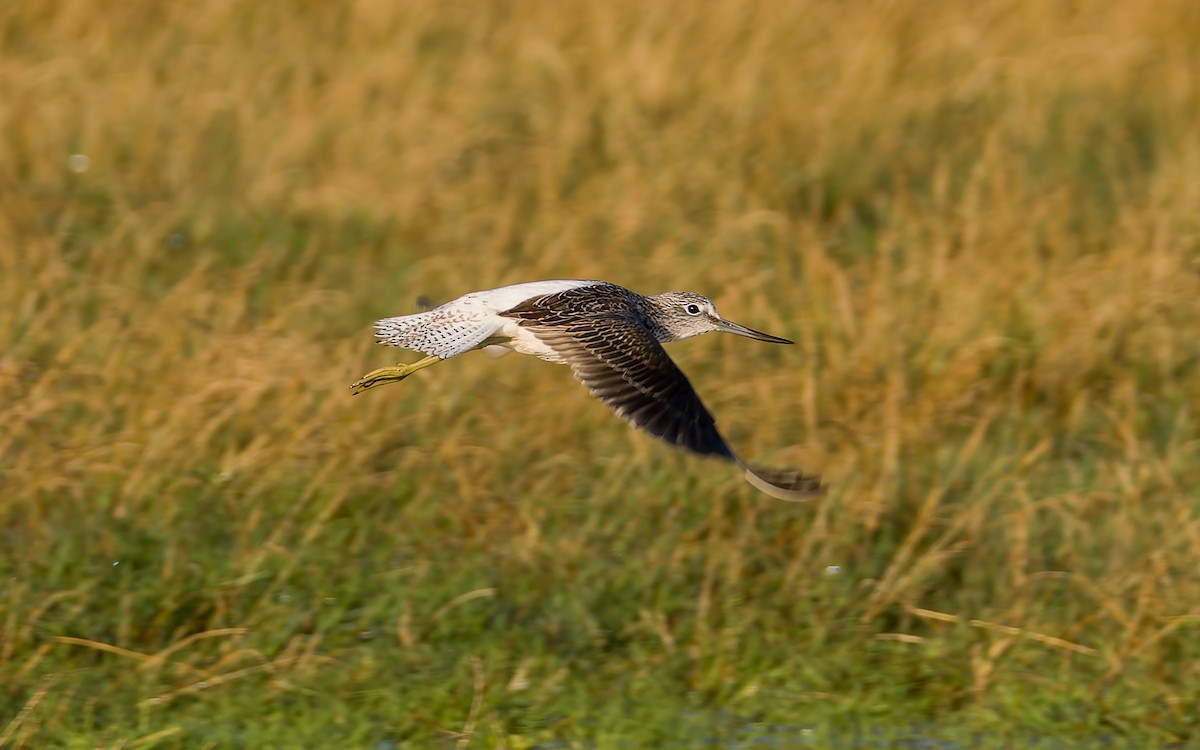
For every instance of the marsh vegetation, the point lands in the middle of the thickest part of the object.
(980, 222)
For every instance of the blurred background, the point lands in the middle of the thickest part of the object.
(980, 222)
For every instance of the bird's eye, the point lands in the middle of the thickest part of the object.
(693, 309)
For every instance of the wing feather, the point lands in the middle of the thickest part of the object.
(606, 339)
(620, 363)
(604, 335)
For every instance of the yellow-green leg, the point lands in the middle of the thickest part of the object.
(392, 374)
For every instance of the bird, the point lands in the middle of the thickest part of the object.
(610, 337)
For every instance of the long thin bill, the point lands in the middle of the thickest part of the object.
(741, 330)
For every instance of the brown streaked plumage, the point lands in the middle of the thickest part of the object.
(611, 338)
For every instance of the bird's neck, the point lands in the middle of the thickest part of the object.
(655, 312)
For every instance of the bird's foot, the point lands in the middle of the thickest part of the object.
(382, 376)
(393, 374)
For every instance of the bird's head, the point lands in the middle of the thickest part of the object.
(682, 315)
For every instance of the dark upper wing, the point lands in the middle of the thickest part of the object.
(604, 336)
(611, 350)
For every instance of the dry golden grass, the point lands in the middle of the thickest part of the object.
(980, 222)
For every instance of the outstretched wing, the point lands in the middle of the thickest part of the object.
(612, 351)
(606, 339)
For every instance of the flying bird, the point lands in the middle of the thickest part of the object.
(610, 337)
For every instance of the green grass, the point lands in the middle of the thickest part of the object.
(978, 222)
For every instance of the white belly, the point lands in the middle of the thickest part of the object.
(472, 321)
(520, 340)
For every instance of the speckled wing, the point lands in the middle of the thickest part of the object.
(603, 334)
(612, 351)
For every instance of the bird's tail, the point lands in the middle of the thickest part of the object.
(435, 333)
(403, 330)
